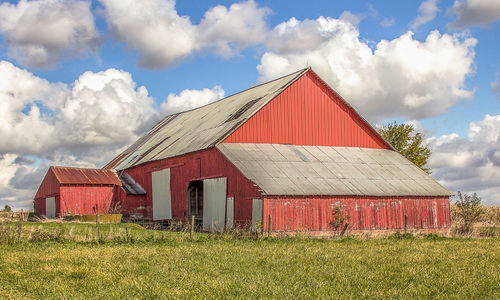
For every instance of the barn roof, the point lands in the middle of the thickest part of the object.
(202, 127)
(321, 170)
(67, 175)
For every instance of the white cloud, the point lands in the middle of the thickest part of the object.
(189, 99)
(153, 28)
(348, 16)
(162, 37)
(470, 164)
(40, 33)
(229, 30)
(427, 11)
(475, 13)
(99, 108)
(403, 77)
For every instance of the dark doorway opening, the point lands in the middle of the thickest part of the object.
(195, 202)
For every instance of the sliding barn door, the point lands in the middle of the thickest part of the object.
(50, 207)
(214, 203)
(162, 206)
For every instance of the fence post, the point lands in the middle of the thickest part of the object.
(269, 225)
(19, 229)
(97, 228)
(406, 222)
(192, 228)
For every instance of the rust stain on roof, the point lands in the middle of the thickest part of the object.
(68, 175)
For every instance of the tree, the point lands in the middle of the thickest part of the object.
(407, 141)
(7, 208)
(467, 213)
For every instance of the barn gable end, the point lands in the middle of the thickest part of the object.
(308, 112)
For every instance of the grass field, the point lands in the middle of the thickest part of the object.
(153, 264)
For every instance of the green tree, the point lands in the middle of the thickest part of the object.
(407, 141)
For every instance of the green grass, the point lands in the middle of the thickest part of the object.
(172, 266)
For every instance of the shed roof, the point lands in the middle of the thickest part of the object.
(321, 170)
(202, 127)
(68, 175)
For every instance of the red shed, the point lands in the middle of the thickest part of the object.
(75, 191)
(290, 148)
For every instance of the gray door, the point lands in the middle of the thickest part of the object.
(230, 212)
(214, 203)
(256, 214)
(162, 207)
(50, 207)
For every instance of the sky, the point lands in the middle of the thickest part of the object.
(82, 80)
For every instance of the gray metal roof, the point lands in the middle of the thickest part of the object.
(321, 170)
(202, 127)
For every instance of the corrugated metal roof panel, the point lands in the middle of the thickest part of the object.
(68, 175)
(202, 127)
(322, 170)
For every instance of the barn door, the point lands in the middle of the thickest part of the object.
(162, 208)
(50, 207)
(214, 203)
(256, 214)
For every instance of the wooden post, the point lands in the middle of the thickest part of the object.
(97, 227)
(192, 228)
(20, 226)
(406, 222)
(344, 229)
(269, 225)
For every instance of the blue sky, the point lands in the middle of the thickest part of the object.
(100, 73)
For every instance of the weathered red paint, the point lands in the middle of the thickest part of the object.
(314, 213)
(90, 191)
(308, 113)
(208, 163)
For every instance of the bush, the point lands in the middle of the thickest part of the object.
(401, 236)
(467, 213)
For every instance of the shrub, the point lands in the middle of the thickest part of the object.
(401, 236)
(467, 213)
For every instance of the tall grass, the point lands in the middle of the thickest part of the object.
(290, 267)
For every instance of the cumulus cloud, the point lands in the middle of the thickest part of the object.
(233, 29)
(427, 11)
(153, 28)
(189, 99)
(475, 13)
(162, 37)
(348, 16)
(470, 164)
(40, 33)
(403, 77)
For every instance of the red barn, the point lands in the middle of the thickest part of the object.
(75, 191)
(290, 148)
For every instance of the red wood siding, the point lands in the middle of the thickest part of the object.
(183, 169)
(49, 186)
(365, 213)
(85, 199)
(308, 113)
